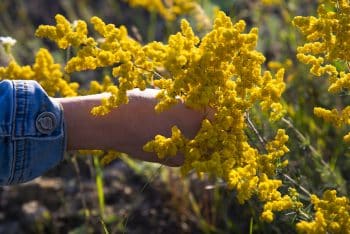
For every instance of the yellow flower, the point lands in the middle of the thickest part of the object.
(168, 9)
(166, 146)
(222, 71)
(64, 33)
(327, 35)
(271, 2)
(328, 41)
(45, 71)
(332, 215)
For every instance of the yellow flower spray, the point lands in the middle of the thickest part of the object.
(221, 71)
(327, 51)
(45, 71)
(328, 46)
(332, 215)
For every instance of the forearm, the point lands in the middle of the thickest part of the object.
(126, 128)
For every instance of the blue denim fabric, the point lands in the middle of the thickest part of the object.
(32, 134)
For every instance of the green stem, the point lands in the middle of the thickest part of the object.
(251, 225)
(296, 183)
(81, 187)
(263, 144)
(99, 185)
(151, 33)
(317, 157)
(302, 138)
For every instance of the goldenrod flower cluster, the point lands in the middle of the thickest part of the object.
(276, 149)
(116, 49)
(274, 201)
(96, 87)
(221, 71)
(332, 215)
(337, 118)
(328, 38)
(45, 71)
(166, 146)
(65, 33)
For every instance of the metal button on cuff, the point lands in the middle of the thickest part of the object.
(46, 122)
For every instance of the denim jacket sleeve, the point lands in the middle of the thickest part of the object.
(32, 136)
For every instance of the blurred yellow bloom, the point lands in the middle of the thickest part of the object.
(271, 2)
(167, 9)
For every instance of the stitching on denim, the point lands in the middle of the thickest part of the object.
(25, 153)
(20, 170)
(19, 162)
(21, 88)
(14, 96)
(20, 113)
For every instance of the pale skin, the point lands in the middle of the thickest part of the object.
(128, 127)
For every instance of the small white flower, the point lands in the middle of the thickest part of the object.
(7, 41)
(75, 23)
(101, 40)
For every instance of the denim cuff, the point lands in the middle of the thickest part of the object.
(32, 134)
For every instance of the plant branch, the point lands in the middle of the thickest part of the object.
(253, 128)
(154, 72)
(263, 143)
(296, 183)
(302, 138)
